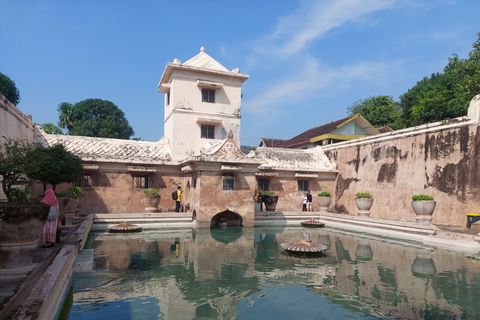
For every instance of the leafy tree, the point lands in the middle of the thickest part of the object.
(51, 128)
(9, 89)
(444, 95)
(378, 110)
(95, 118)
(59, 166)
(66, 115)
(14, 163)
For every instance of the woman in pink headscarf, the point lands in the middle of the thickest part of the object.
(49, 232)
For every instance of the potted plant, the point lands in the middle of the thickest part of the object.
(323, 200)
(270, 200)
(23, 218)
(70, 201)
(423, 205)
(364, 202)
(151, 199)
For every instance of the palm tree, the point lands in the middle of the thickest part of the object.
(66, 116)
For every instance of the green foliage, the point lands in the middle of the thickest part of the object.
(94, 118)
(65, 111)
(137, 139)
(363, 195)
(444, 95)
(75, 190)
(269, 193)
(15, 162)
(324, 194)
(150, 192)
(51, 128)
(9, 89)
(421, 197)
(58, 166)
(379, 111)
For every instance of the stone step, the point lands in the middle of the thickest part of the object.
(84, 261)
(141, 218)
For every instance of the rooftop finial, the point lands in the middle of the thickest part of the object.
(202, 49)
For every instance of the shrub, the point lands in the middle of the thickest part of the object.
(363, 195)
(324, 194)
(269, 193)
(150, 192)
(75, 190)
(421, 197)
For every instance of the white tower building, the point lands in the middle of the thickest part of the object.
(202, 104)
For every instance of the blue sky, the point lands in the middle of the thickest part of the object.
(308, 61)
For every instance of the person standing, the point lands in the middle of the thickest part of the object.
(309, 201)
(304, 201)
(49, 231)
(179, 199)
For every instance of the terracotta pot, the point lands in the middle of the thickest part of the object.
(22, 224)
(151, 202)
(364, 205)
(270, 202)
(81, 200)
(323, 203)
(424, 210)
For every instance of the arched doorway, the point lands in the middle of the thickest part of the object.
(232, 219)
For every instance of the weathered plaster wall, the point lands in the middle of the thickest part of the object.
(13, 124)
(112, 190)
(441, 160)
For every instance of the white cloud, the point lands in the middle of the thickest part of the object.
(312, 20)
(314, 78)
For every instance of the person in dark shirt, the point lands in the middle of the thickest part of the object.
(309, 201)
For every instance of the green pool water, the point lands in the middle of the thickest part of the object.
(240, 273)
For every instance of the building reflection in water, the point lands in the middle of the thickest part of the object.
(217, 274)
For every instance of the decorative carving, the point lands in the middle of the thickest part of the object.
(229, 150)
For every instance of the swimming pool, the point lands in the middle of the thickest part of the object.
(240, 273)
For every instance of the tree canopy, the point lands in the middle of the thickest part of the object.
(50, 128)
(444, 95)
(57, 166)
(378, 110)
(9, 89)
(94, 118)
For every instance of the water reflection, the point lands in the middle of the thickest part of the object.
(243, 273)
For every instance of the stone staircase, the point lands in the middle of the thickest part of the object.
(104, 220)
(286, 216)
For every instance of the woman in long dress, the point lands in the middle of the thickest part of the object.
(49, 232)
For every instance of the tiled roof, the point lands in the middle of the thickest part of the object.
(274, 143)
(307, 160)
(112, 150)
(384, 129)
(305, 137)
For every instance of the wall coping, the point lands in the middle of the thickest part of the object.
(472, 119)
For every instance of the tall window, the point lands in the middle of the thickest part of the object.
(228, 183)
(140, 181)
(303, 185)
(264, 184)
(85, 181)
(208, 131)
(208, 95)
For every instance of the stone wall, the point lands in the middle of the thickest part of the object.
(13, 124)
(439, 159)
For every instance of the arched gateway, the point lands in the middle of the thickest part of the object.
(230, 219)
